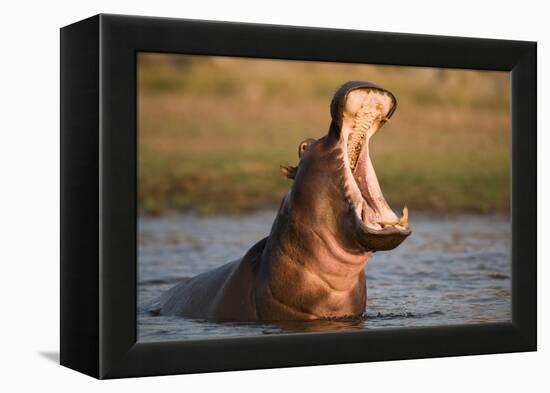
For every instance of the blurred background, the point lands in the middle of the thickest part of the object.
(212, 132)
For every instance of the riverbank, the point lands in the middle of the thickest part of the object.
(213, 132)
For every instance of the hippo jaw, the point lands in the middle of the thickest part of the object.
(363, 109)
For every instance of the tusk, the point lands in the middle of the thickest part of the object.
(364, 217)
(404, 220)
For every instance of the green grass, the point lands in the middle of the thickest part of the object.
(212, 133)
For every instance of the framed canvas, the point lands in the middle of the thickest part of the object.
(174, 137)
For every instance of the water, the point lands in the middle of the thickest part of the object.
(451, 270)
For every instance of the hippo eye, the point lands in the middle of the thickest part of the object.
(302, 148)
(305, 145)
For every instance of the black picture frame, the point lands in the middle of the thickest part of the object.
(98, 195)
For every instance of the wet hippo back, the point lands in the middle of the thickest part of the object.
(225, 293)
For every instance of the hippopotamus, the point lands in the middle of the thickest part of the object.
(328, 225)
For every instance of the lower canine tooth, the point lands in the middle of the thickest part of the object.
(384, 224)
(404, 220)
(364, 213)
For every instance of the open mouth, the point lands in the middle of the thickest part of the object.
(364, 112)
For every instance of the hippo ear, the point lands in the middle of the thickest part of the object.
(288, 171)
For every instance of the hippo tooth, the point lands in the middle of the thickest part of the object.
(404, 220)
(364, 217)
(365, 118)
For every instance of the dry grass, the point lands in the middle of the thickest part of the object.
(213, 131)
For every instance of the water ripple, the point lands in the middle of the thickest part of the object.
(451, 270)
